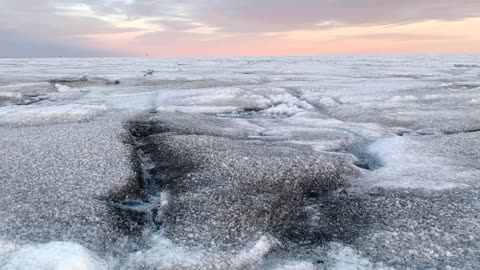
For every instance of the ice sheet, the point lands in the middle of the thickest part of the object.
(408, 125)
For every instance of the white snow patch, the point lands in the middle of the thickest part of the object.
(284, 109)
(218, 100)
(321, 145)
(11, 95)
(164, 199)
(127, 100)
(398, 99)
(62, 88)
(284, 102)
(404, 75)
(164, 254)
(346, 258)
(407, 166)
(474, 101)
(328, 102)
(32, 115)
(54, 256)
(296, 266)
(249, 257)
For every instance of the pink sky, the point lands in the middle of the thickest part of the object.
(222, 28)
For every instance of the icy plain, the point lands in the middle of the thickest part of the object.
(353, 162)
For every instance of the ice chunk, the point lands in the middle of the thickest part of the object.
(62, 87)
(218, 100)
(284, 109)
(250, 257)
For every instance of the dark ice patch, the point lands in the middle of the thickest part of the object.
(226, 190)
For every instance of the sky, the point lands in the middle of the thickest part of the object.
(73, 28)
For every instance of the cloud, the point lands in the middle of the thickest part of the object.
(191, 43)
(38, 18)
(72, 24)
(287, 15)
(15, 45)
(400, 36)
(57, 28)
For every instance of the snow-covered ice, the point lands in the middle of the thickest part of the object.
(355, 162)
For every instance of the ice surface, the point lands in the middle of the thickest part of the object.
(56, 180)
(243, 151)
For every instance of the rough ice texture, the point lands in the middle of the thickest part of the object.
(262, 163)
(228, 190)
(56, 178)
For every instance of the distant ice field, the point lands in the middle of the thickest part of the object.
(352, 162)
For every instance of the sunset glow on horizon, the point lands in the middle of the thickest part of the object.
(230, 28)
